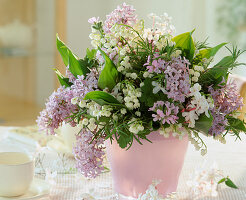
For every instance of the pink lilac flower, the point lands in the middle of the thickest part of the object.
(166, 112)
(70, 76)
(226, 100)
(156, 66)
(121, 15)
(93, 20)
(58, 109)
(89, 154)
(81, 86)
(177, 79)
(59, 106)
(114, 55)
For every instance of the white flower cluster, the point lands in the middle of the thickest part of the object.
(198, 105)
(152, 193)
(204, 181)
(161, 32)
(176, 53)
(220, 138)
(196, 141)
(91, 124)
(125, 32)
(195, 72)
(95, 38)
(147, 74)
(124, 65)
(135, 126)
(176, 130)
(131, 96)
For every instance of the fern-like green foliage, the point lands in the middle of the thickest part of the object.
(219, 72)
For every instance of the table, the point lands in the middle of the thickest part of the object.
(69, 185)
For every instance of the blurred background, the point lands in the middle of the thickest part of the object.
(28, 30)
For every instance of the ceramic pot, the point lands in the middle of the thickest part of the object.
(134, 170)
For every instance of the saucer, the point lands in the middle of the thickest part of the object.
(59, 146)
(38, 189)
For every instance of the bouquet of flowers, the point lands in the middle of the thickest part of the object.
(137, 80)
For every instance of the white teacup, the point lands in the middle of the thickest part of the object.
(16, 173)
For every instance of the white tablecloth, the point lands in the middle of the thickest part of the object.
(68, 185)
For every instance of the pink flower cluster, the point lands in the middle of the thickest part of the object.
(177, 79)
(166, 112)
(58, 109)
(176, 74)
(157, 65)
(59, 106)
(81, 86)
(226, 100)
(121, 15)
(89, 154)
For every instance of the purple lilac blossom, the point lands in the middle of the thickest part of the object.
(121, 15)
(166, 112)
(157, 65)
(177, 79)
(226, 100)
(59, 106)
(70, 76)
(81, 86)
(58, 109)
(89, 154)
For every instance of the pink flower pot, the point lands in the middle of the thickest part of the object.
(134, 170)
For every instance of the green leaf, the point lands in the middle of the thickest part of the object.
(229, 183)
(63, 80)
(236, 124)
(91, 53)
(63, 50)
(213, 76)
(109, 75)
(204, 123)
(210, 52)
(103, 98)
(122, 142)
(226, 62)
(185, 42)
(147, 93)
(222, 180)
(69, 59)
(75, 66)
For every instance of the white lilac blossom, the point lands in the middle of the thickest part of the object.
(198, 105)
